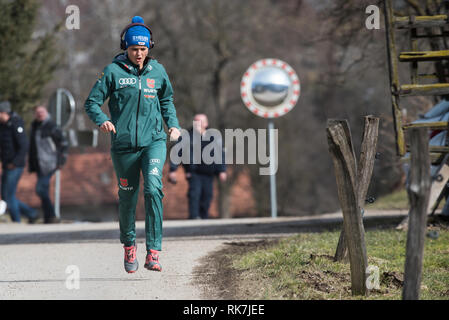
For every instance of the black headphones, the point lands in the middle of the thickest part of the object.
(122, 41)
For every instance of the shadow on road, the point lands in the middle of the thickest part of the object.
(201, 229)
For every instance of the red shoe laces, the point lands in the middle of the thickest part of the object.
(153, 256)
(130, 253)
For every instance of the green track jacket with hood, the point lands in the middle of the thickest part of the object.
(138, 101)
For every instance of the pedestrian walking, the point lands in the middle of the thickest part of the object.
(47, 153)
(140, 99)
(200, 175)
(13, 151)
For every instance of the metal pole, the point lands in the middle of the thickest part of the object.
(58, 173)
(272, 142)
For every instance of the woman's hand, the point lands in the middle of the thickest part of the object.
(174, 133)
(107, 126)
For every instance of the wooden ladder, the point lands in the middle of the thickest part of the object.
(414, 24)
(419, 27)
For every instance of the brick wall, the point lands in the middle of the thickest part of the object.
(88, 180)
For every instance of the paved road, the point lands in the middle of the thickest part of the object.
(42, 261)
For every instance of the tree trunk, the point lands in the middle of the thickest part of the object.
(340, 147)
(365, 170)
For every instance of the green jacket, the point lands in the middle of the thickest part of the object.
(137, 103)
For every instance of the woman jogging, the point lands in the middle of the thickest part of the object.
(140, 97)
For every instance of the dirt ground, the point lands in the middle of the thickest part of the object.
(220, 280)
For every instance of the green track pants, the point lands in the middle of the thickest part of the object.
(150, 161)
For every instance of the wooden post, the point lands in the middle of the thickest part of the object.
(365, 171)
(340, 147)
(418, 193)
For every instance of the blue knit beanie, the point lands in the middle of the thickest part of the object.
(137, 35)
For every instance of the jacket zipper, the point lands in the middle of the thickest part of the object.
(138, 108)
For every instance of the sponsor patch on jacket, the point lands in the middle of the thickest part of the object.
(154, 172)
(151, 83)
(127, 81)
(100, 77)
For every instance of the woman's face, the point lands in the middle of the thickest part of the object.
(137, 54)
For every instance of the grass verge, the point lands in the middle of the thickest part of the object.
(302, 267)
(397, 200)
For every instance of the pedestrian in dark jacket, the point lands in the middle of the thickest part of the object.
(200, 175)
(48, 152)
(13, 150)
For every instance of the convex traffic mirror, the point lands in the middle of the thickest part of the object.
(270, 88)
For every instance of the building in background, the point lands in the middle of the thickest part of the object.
(89, 192)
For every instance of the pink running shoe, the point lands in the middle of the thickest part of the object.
(152, 261)
(131, 264)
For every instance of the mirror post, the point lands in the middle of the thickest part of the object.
(63, 112)
(58, 172)
(270, 88)
(273, 197)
